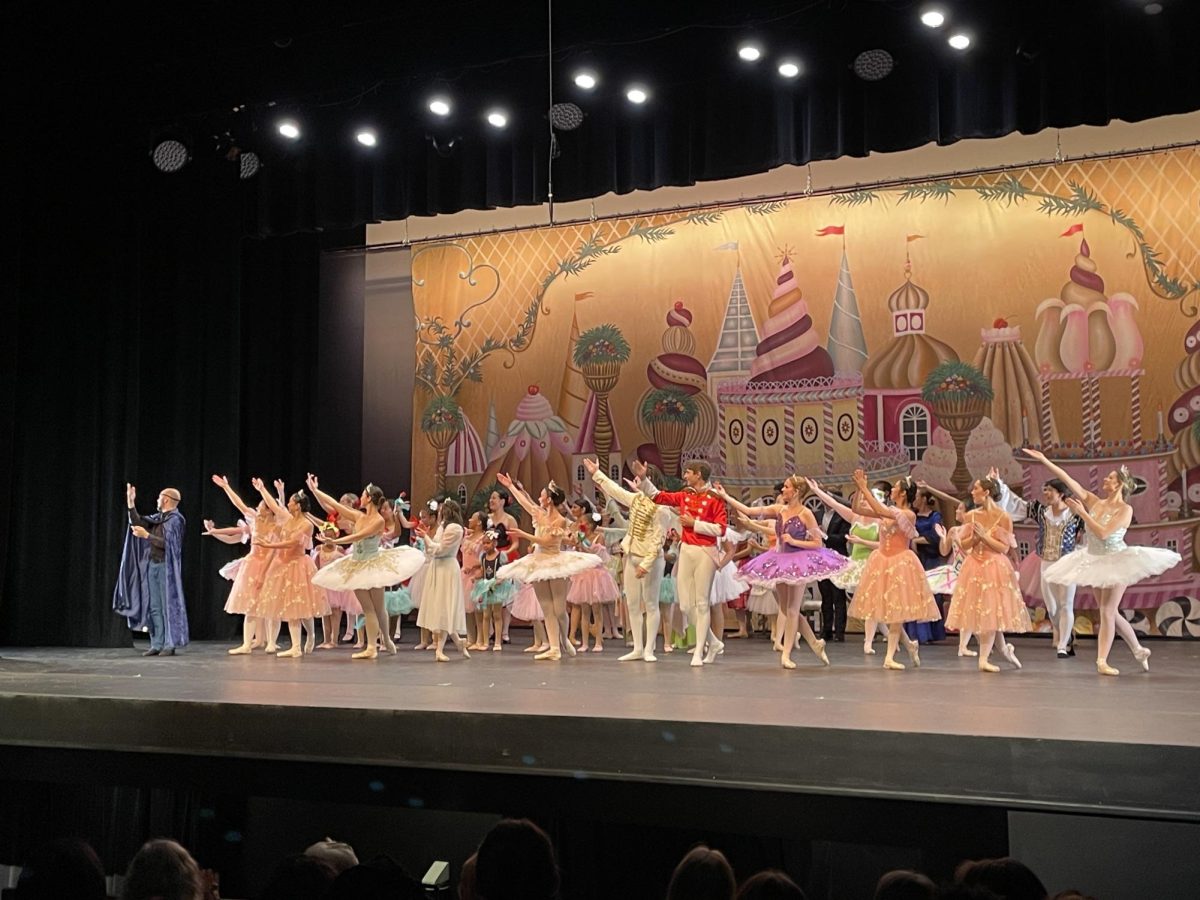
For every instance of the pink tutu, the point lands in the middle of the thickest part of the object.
(893, 589)
(987, 596)
(593, 586)
(230, 569)
(342, 600)
(288, 592)
(249, 580)
(525, 605)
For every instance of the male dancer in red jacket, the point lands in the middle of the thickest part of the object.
(703, 517)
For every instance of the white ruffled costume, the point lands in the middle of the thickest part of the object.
(1110, 562)
(548, 563)
(368, 567)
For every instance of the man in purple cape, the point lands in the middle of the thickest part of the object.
(149, 591)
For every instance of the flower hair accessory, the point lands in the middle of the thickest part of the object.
(433, 506)
(333, 515)
(596, 517)
(491, 534)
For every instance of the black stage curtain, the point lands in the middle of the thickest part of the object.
(149, 342)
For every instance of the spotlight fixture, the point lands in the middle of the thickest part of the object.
(566, 116)
(497, 118)
(933, 18)
(637, 94)
(367, 137)
(439, 106)
(1152, 9)
(790, 68)
(873, 65)
(586, 79)
(170, 155)
(248, 165)
(750, 52)
(289, 129)
(959, 41)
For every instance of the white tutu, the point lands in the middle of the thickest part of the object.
(383, 569)
(1126, 566)
(539, 566)
(762, 600)
(726, 585)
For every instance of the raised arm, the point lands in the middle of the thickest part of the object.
(1101, 530)
(222, 481)
(754, 512)
(272, 503)
(829, 500)
(878, 510)
(365, 527)
(328, 503)
(1077, 489)
(607, 485)
(941, 495)
(519, 494)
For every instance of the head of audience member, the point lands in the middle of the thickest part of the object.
(377, 879)
(905, 884)
(1071, 894)
(770, 884)
(516, 861)
(466, 880)
(702, 874)
(340, 856)
(163, 870)
(299, 877)
(62, 868)
(1007, 878)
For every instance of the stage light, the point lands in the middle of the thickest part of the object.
(750, 52)
(1152, 9)
(497, 119)
(566, 116)
(248, 165)
(933, 18)
(586, 79)
(637, 94)
(367, 137)
(873, 65)
(170, 155)
(959, 41)
(289, 129)
(439, 106)
(789, 68)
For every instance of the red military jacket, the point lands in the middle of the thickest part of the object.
(704, 507)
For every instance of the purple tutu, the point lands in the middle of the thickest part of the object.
(791, 565)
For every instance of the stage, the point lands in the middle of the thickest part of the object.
(1052, 737)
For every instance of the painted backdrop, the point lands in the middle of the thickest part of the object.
(938, 326)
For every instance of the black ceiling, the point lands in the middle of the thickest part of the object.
(117, 73)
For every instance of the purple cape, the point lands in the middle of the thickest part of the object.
(131, 596)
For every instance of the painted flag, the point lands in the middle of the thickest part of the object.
(728, 245)
(584, 295)
(913, 237)
(1074, 229)
(831, 229)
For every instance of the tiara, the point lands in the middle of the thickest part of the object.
(552, 486)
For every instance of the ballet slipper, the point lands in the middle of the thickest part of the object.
(310, 644)
(599, 648)
(868, 650)
(914, 653)
(963, 651)
(1142, 655)
(240, 651)
(365, 653)
(819, 649)
(571, 651)
(440, 656)
(892, 664)
(714, 650)
(985, 666)
(272, 648)
(1010, 653)
(551, 654)
(421, 647)
(697, 662)
(649, 656)
(497, 648)
(736, 634)
(777, 647)
(786, 662)
(358, 646)
(462, 648)
(255, 644)
(668, 649)
(632, 655)
(325, 645)
(1103, 668)
(431, 647)
(535, 648)
(294, 653)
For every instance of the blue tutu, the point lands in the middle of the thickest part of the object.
(399, 602)
(489, 592)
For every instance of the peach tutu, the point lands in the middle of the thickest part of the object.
(893, 589)
(288, 592)
(248, 581)
(987, 596)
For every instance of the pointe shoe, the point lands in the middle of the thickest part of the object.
(786, 662)
(310, 645)
(536, 648)
(294, 653)
(697, 662)
(819, 649)
(1142, 655)
(599, 648)
(497, 648)
(571, 651)
(440, 657)
(272, 648)
(421, 647)
(465, 652)
(963, 651)
(240, 651)
(868, 650)
(367, 653)
(892, 664)
(985, 666)
(1010, 653)
(1103, 668)
(628, 657)
(255, 644)
(714, 650)
(649, 656)
(552, 654)
(778, 647)
(914, 653)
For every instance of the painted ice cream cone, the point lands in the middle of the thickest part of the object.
(960, 397)
(441, 423)
(600, 352)
(668, 413)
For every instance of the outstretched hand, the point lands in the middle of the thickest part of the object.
(1033, 454)
(130, 495)
(257, 484)
(503, 479)
(940, 529)
(638, 468)
(311, 481)
(719, 490)
(591, 465)
(221, 481)
(279, 485)
(860, 479)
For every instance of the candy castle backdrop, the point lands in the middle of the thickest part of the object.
(939, 326)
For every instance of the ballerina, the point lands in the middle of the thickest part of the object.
(590, 589)
(472, 547)
(943, 578)
(288, 593)
(800, 558)
(892, 589)
(367, 570)
(862, 539)
(491, 594)
(497, 514)
(250, 574)
(443, 609)
(987, 593)
(549, 568)
(339, 601)
(1107, 565)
